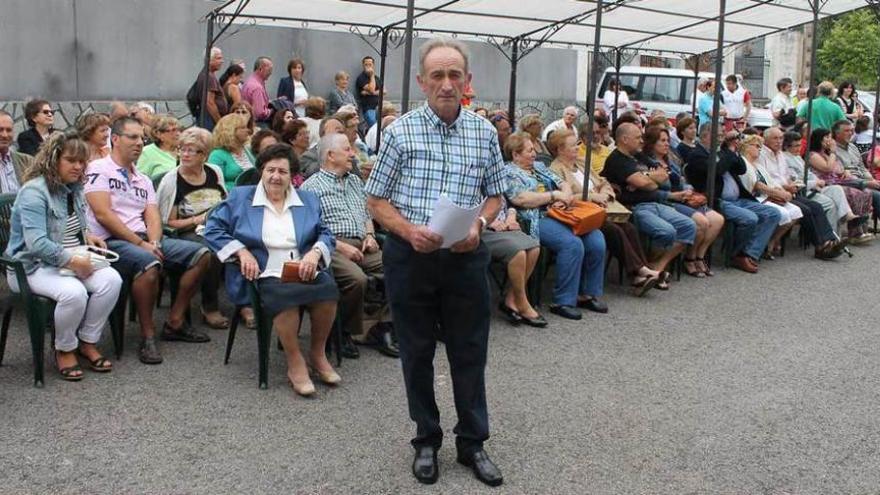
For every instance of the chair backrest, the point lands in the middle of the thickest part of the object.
(6, 201)
(247, 178)
(158, 179)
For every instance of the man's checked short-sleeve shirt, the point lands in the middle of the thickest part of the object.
(422, 158)
(343, 203)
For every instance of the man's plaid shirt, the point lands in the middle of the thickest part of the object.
(421, 158)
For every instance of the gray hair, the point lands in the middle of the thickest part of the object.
(215, 50)
(572, 109)
(443, 42)
(768, 131)
(330, 142)
(826, 88)
(260, 61)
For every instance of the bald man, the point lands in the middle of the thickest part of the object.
(639, 184)
(357, 257)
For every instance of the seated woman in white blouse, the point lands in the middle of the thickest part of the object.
(265, 226)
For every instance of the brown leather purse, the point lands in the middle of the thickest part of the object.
(582, 216)
(290, 273)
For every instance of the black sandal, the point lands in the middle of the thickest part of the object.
(67, 374)
(663, 281)
(100, 364)
(705, 267)
(691, 268)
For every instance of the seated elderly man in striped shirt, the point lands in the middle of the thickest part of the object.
(357, 256)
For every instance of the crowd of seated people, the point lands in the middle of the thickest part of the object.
(302, 200)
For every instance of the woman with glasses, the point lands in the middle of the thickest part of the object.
(40, 117)
(186, 195)
(161, 156)
(244, 109)
(48, 219)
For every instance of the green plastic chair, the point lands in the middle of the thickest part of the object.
(39, 310)
(264, 334)
(247, 178)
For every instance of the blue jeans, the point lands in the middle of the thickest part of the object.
(754, 223)
(663, 225)
(180, 256)
(580, 261)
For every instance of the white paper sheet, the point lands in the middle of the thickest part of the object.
(451, 221)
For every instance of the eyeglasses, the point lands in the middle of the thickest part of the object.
(170, 129)
(242, 111)
(133, 137)
(190, 151)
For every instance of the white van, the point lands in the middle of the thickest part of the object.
(670, 90)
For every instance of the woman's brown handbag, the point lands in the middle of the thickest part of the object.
(582, 216)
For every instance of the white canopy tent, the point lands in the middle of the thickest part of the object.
(687, 27)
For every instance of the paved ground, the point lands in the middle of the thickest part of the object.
(739, 384)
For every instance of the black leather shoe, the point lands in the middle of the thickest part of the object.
(349, 350)
(593, 304)
(565, 312)
(483, 467)
(512, 315)
(425, 467)
(537, 322)
(385, 341)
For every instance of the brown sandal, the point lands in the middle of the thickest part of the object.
(100, 364)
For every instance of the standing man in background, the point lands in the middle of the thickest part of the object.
(440, 150)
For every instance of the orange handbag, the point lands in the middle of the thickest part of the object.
(582, 216)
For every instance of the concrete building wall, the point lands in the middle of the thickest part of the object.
(85, 50)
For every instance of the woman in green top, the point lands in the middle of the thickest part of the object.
(161, 156)
(231, 154)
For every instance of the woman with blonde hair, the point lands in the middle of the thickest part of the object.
(161, 156)
(231, 153)
(94, 129)
(533, 126)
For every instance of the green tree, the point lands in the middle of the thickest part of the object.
(849, 48)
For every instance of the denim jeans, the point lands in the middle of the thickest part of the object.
(754, 223)
(663, 225)
(580, 261)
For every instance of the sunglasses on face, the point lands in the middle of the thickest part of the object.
(47, 112)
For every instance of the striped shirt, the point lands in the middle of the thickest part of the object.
(343, 203)
(72, 232)
(422, 158)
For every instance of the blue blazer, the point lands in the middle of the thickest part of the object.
(286, 90)
(236, 223)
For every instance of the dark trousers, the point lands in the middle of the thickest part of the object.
(622, 240)
(452, 290)
(817, 230)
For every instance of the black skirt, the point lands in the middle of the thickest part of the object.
(277, 296)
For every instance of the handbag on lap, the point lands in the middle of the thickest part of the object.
(582, 216)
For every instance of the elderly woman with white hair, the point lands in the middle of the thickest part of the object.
(186, 196)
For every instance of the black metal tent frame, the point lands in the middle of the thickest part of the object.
(523, 44)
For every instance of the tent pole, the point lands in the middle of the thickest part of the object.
(696, 83)
(716, 107)
(511, 99)
(202, 118)
(383, 54)
(876, 8)
(616, 84)
(814, 4)
(407, 55)
(591, 100)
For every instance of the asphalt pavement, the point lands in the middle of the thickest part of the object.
(738, 384)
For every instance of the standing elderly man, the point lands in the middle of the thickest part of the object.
(357, 255)
(440, 150)
(12, 163)
(568, 121)
(215, 104)
(254, 89)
